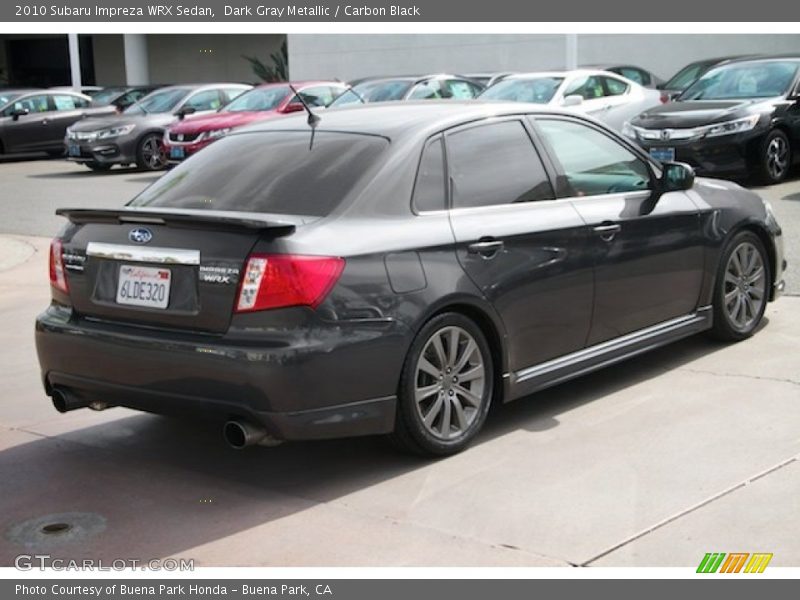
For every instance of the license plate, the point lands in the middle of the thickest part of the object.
(663, 154)
(143, 286)
(74, 150)
(177, 152)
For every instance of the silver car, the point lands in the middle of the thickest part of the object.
(136, 135)
(606, 96)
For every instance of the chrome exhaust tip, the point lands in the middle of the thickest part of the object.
(241, 434)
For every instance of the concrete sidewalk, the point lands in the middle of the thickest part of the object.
(689, 449)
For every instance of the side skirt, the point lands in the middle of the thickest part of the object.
(541, 376)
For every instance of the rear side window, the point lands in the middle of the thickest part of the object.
(615, 87)
(429, 189)
(269, 172)
(495, 164)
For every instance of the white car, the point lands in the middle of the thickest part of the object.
(606, 96)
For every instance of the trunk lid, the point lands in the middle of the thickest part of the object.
(166, 268)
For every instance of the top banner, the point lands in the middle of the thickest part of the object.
(126, 11)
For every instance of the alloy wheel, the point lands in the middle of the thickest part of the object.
(153, 153)
(777, 157)
(745, 287)
(449, 383)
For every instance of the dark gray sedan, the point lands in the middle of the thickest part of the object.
(136, 135)
(395, 271)
(34, 120)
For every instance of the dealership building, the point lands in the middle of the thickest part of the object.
(109, 59)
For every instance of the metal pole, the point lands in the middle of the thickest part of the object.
(74, 60)
(137, 70)
(572, 51)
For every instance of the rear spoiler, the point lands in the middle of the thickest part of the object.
(206, 219)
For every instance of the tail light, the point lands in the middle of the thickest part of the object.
(58, 276)
(281, 280)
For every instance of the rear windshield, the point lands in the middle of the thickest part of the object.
(270, 172)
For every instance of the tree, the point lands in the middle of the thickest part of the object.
(278, 71)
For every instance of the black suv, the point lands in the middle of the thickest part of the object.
(739, 119)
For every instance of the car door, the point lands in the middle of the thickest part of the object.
(68, 109)
(28, 132)
(619, 105)
(528, 253)
(648, 255)
(591, 89)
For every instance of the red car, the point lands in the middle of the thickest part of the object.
(191, 135)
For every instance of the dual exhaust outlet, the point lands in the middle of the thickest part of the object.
(238, 434)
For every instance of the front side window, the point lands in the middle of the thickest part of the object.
(587, 87)
(320, 95)
(459, 90)
(283, 173)
(33, 104)
(495, 164)
(429, 188)
(593, 163)
(206, 100)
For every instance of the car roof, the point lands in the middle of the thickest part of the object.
(411, 78)
(398, 119)
(200, 86)
(567, 73)
(304, 83)
(766, 58)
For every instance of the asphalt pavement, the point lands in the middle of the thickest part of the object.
(689, 449)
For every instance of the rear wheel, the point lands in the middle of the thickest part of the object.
(445, 387)
(742, 288)
(775, 158)
(150, 153)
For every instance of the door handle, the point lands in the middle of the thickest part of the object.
(607, 231)
(486, 248)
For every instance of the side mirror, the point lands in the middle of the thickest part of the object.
(19, 112)
(572, 100)
(293, 107)
(676, 177)
(186, 110)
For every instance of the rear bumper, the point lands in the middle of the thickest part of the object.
(339, 388)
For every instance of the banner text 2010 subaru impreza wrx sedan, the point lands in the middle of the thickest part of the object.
(395, 271)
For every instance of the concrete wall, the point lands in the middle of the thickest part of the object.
(352, 56)
(186, 58)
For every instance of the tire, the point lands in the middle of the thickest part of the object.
(99, 167)
(741, 289)
(150, 153)
(774, 160)
(426, 383)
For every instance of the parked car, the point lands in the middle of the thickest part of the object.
(121, 97)
(606, 96)
(741, 119)
(691, 73)
(430, 87)
(636, 74)
(33, 120)
(192, 134)
(347, 280)
(136, 136)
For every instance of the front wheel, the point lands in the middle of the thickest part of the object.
(150, 153)
(445, 387)
(742, 288)
(775, 158)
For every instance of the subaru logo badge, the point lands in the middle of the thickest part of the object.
(140, 235)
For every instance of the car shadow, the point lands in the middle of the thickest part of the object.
(166, 485)
(85, 172)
